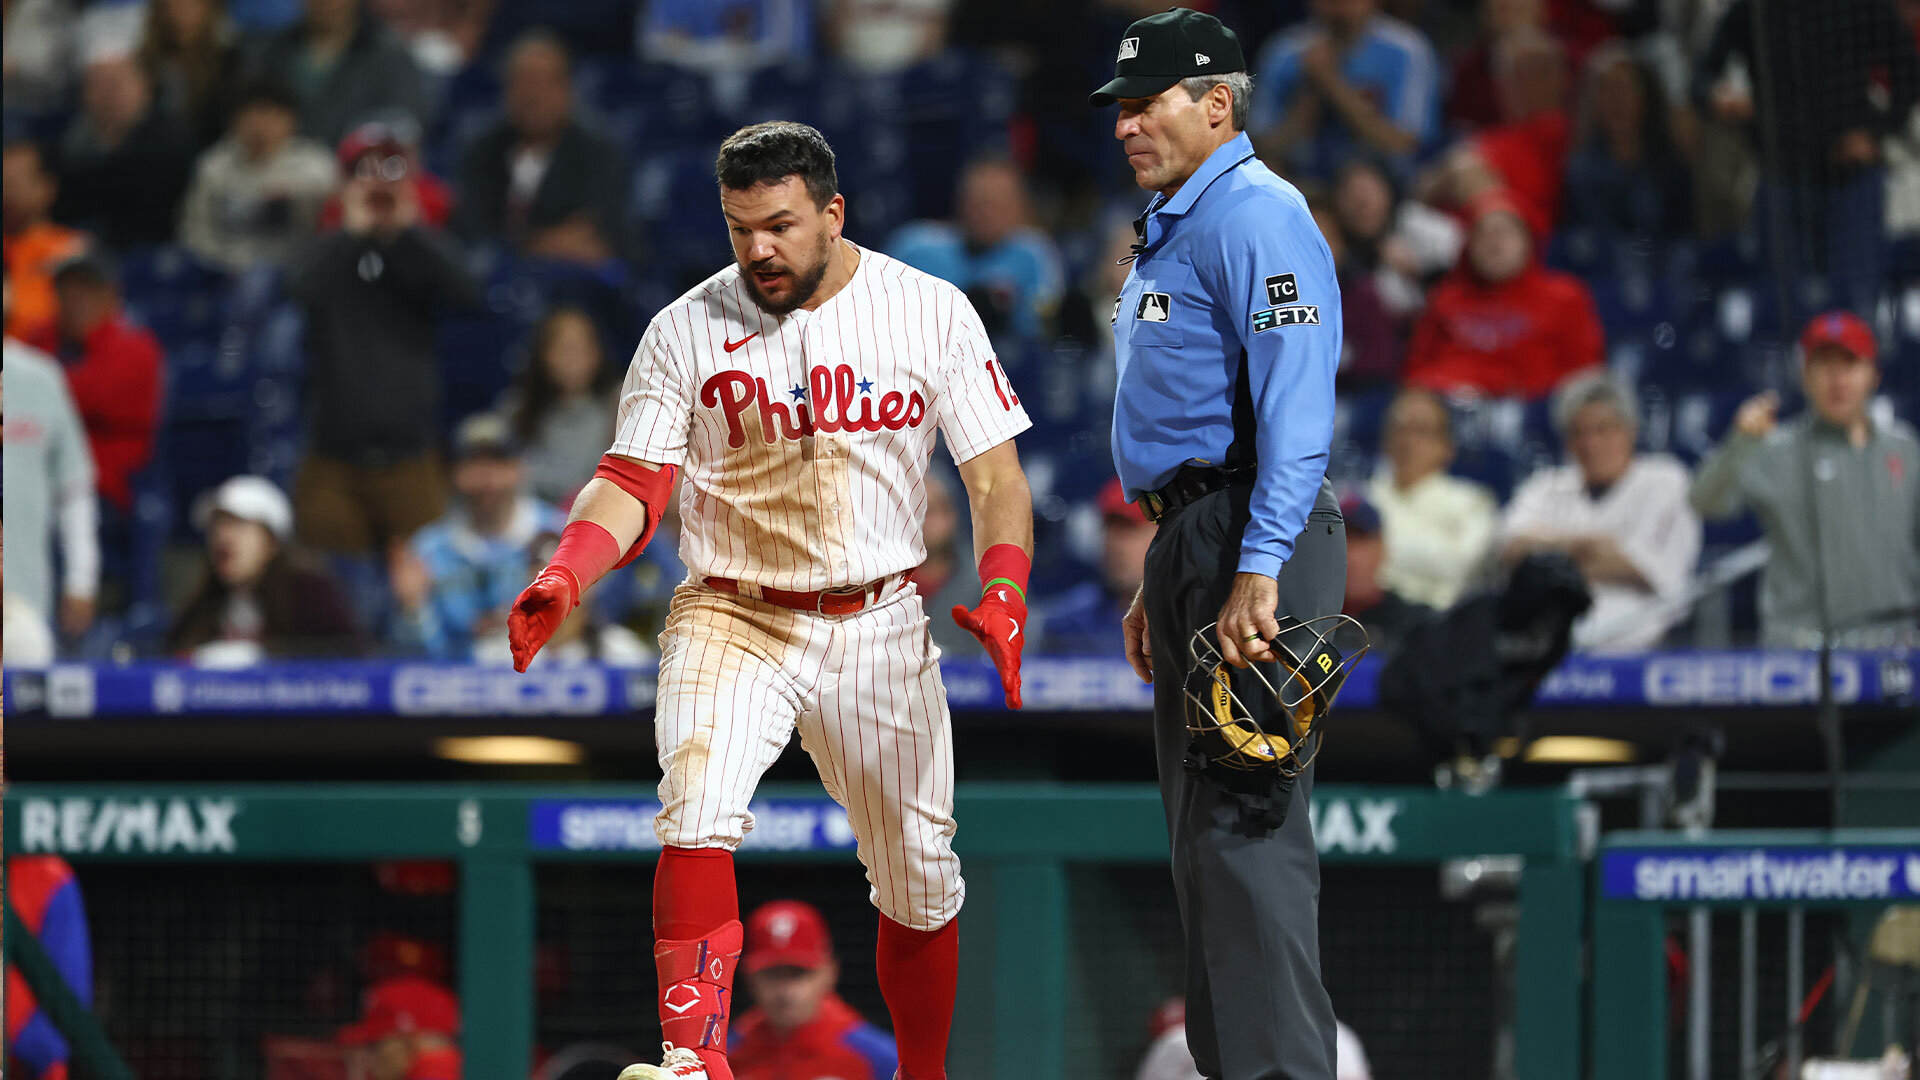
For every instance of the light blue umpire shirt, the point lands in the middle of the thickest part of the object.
(1227, 337)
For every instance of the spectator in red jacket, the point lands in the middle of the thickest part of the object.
(113, 368)
(1502, 324)
(798, 1028)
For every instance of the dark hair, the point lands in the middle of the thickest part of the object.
(539, 37)
(268, 92)
(535, 388)
(769, 153)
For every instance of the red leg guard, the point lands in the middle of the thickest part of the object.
(696, 924)
(919, 971)
(696, 993)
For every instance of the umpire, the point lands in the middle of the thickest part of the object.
(1227, 334)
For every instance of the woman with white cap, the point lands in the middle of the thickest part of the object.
(258, 598)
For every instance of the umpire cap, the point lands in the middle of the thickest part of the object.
(1160, 50)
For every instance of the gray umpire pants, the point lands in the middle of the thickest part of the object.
(1249, 896)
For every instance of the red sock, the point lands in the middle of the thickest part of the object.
(919, 970)
(696, 926)
(693, 893)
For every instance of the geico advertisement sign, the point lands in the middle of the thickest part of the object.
(1752, 679)
(430, 691)
(146, 826)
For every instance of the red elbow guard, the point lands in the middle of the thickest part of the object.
(653, 487)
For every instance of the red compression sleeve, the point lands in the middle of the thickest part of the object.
(586, 552)
(653, 487)
(1007, 564)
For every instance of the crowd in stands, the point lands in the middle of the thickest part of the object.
(337, 291)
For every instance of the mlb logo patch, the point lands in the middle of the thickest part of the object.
(1153, 307)
(1281, 290)
(1129, 48)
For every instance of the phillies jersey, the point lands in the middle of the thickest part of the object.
(835, 1045)
(804, 439)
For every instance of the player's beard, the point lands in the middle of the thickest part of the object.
(806, 281)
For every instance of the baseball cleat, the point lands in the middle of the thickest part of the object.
(677, 1065)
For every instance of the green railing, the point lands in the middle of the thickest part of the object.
(1018, 841)
(1641, 878)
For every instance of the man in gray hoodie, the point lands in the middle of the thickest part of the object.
(1838, 494)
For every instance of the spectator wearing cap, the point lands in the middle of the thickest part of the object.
(408, 1030)
(1085, 620)
(344, 67)
(992, 251)
(539, 180)
(1348, 79)
(257, 193)
(50, 493)
(114, 370)
(373, 293)
(798, 1028)
(34, 245)
(1837, 492)
(257, 597)
(389, 151)
(1438, 529)
(1621, 517)
(455, 580)
(124, 162)
(948, 575)
(1502, 324)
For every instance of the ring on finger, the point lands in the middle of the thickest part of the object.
(1255, 636)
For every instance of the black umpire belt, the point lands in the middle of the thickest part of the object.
(1187, 486)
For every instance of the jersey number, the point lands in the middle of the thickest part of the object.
(1002, 385)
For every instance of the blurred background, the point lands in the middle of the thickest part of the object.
(316, 310)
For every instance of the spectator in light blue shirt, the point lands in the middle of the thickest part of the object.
(1349, 79)
(456, 578)
(1009, 269)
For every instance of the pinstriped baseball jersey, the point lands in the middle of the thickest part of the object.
(805, 439)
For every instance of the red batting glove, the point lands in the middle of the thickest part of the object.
(1000, 622)
(538, 611)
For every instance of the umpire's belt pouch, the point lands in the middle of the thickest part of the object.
(1262, 795)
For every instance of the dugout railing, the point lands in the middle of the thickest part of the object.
(1757, 912)
(1027, 928)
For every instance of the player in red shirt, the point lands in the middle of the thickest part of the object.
(798, 1028)
(408, 1029)
(1501, 324)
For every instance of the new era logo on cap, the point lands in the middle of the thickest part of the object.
(1202, 58)
(1129, 48)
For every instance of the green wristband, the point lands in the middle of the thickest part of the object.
(1008, 582)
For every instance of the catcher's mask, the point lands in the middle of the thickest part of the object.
(1303, 680)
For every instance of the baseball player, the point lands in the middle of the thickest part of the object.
(800, 390)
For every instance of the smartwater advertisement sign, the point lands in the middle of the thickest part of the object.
(1738, 874)
(627, 825)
